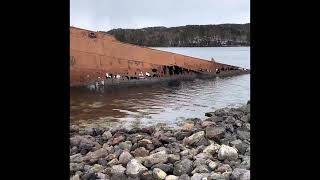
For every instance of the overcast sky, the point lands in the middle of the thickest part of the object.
(103, 15)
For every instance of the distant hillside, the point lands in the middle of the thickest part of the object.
(187, 36)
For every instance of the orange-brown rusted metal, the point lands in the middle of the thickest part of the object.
(93, 54)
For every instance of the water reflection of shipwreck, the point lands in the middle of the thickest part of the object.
(98, 58)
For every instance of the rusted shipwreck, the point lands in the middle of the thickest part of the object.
(97, 58)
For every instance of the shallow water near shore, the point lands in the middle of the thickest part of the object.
(169, 103)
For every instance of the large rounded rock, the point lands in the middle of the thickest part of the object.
(184, 177)
(117, 170)
(240, 174)
(96, 155)
(140, 152)
(135, 168)
(182, 167)
(215, 132)
(194, 138)
(158, 173)
(159, 157)
(125, 157)
(227, 152)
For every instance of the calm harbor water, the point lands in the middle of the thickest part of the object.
(169, 103)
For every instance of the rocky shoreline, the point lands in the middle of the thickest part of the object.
(214, 148)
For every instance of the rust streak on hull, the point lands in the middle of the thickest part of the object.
(97, 57)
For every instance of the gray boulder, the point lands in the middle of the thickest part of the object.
(135, 168)
(243, 134)
(168, 168)
(125, 157)
(159, 157)
(194, 138)
(182, 167)
(215, 133)
(140, 152)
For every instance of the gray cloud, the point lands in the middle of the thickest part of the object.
(108, 14)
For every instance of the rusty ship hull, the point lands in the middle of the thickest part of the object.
(97, 58)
